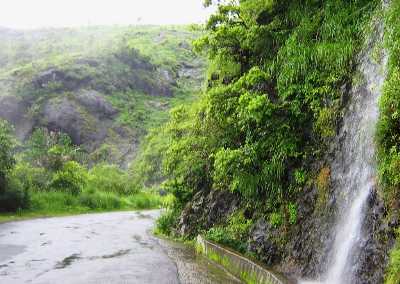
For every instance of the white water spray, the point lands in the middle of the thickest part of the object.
(354, 168)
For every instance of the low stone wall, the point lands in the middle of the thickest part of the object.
(238, 265)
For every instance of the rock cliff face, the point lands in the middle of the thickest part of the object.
(351, 243)
(207, 209)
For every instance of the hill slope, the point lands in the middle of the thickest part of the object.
(103, 86)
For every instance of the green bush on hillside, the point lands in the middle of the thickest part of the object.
(72, 178)
(50, 150)
(166, 223)
(110, 178)
(32, 178)
(234, 233)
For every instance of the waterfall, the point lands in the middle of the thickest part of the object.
(354, 166)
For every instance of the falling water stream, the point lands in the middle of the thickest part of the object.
(354, 167)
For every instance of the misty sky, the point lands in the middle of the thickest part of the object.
(27, 14)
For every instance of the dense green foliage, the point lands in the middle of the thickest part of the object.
(7, 160)
(388, 128)
(273, 99)
(49, 177)
(388, 134)
(12, 196)
(393, 272)
(50, 149)
(234, 233)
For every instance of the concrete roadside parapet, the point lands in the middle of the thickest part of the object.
(238, 265)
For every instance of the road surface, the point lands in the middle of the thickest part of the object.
(98, 248)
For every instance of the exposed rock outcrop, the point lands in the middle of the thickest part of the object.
(16, 111)
(207, 209)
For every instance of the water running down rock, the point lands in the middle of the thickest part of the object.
(354, 167)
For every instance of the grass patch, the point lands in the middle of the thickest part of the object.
(57, 203)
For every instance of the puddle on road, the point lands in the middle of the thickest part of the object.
(38, 260)
(77, 256)
(46, 243)
(113, 255)
(117, 254)
(137, 238)
(67, 261)
(141, 215)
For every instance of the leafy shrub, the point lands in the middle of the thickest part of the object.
(53, 201)
(144, 200)
(300, 177)
(56, 157)
(32, 178)
(218, 234)
(276, 219)
(393, 270)
(233, 234)
(14, 197)
(72, 178)
(166, 223)
(100, 200)
(239, 226)
(168, 201)
(51, 150)
(110, 178)
(325, 123)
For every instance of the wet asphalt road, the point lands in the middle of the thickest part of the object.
(98, 248)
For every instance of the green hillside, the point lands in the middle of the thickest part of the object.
(79, 102)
